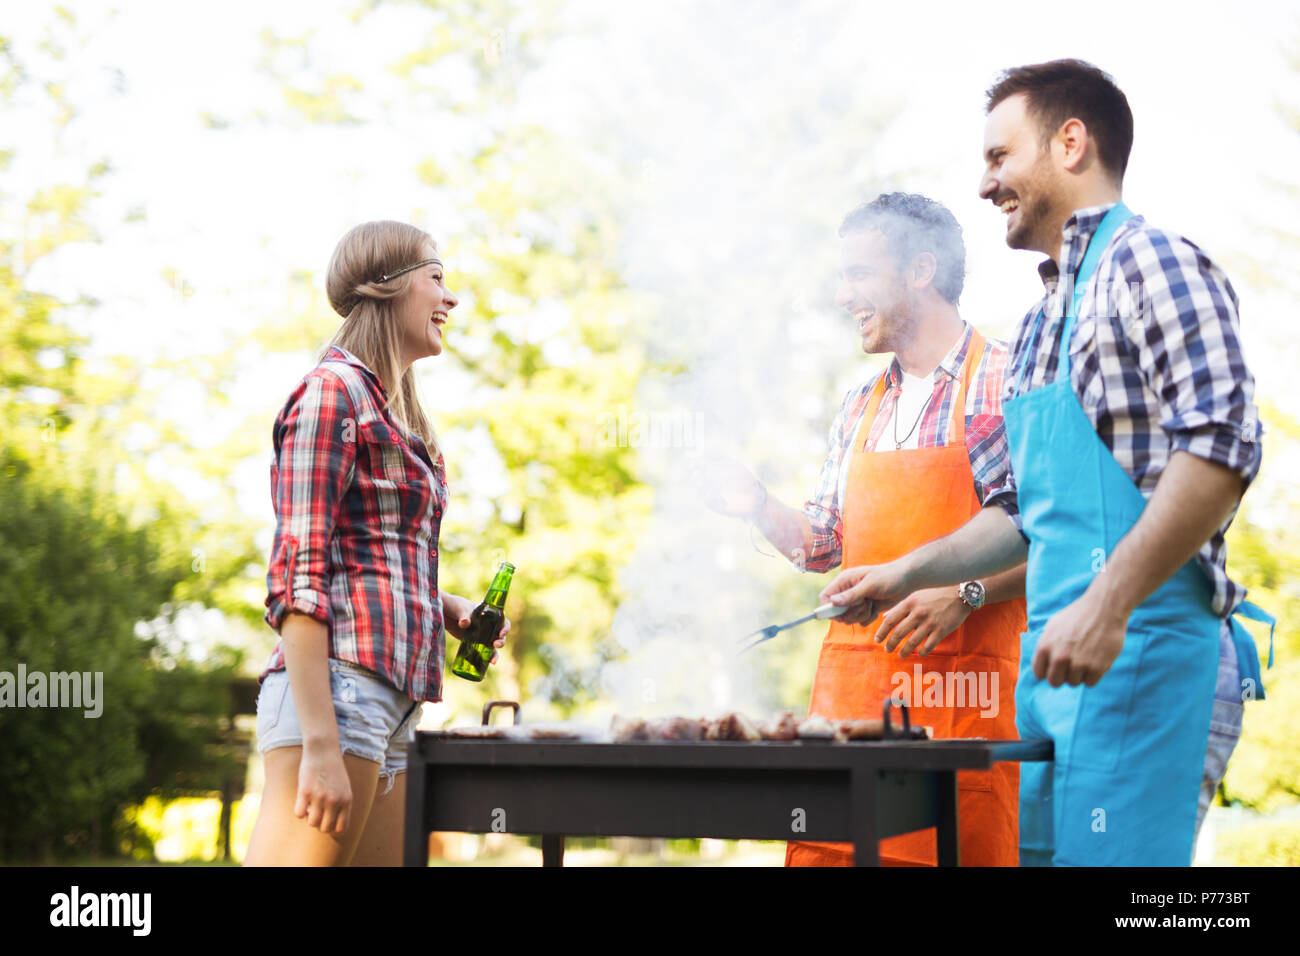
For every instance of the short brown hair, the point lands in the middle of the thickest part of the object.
(1073, 89)
(913, 224)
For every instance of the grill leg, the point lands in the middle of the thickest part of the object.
(552, 849)
(862, 797)
(949, 847)
(415, 839)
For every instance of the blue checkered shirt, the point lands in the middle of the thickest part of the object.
(1155, 359)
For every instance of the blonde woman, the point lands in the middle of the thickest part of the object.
(359, 488)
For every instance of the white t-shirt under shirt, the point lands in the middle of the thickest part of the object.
(907, 410)
(912, 398)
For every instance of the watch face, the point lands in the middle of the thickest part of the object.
(973, 593)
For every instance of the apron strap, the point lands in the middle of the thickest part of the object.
(1118, 215)
(1255, 613)
(869, 413)
(957, 420)
(1097, 243)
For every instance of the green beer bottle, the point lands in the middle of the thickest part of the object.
(476, 648)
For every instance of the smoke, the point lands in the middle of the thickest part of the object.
(749, 132)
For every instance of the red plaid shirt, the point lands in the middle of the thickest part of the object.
(986, 437)
(358, 511)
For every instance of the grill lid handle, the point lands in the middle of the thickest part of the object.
(907, 721)
(487, 710)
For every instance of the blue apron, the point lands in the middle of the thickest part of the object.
(1130, 751)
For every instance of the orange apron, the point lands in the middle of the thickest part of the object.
(895, 501)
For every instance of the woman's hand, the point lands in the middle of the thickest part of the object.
(501, 637)
(456, 614)
(324, 791)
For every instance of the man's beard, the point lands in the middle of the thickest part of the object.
(1028, 225)
(1035, 214)
(892, 332)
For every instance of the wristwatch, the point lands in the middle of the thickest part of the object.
(971, 594)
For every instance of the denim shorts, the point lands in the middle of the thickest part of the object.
(376, 720)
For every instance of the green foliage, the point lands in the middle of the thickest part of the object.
(548, 340)
(75, 578)
(92, 546)
(1264, 772)
(1261, 844)
(543, 491)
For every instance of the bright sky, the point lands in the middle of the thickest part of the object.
(235, 213)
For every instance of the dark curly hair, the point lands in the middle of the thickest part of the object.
(913, 224)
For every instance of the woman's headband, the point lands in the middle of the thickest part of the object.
(406, 269)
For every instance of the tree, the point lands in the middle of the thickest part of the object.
(543, 342)
(89, 555)
(1264, 772)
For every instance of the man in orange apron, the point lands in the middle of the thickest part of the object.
(913, 453)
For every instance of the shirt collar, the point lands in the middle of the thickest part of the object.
(343, 355)
(1076, 232)
(951, 364)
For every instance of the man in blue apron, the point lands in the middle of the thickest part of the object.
(1133, 434)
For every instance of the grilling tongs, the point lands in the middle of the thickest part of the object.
(756, 638)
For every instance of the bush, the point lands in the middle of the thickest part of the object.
(74, 581)
(1259, 844)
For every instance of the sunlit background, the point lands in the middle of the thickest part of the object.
(637, 206)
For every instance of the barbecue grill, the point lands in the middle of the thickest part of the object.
(858, 792)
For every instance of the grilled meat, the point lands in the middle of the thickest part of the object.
(732, 726)
(816, 728)
(784, 727)
(624, 729)
(860, 730)
(676, 728)
(498, 731)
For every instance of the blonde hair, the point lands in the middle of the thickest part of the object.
(370, 329)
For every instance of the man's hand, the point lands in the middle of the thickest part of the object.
(1080, 642)
(727, 486)
(1192, 499)
(324, 791)
(866, 590)
(928, 616)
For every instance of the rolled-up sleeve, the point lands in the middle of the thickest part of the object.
(315, 439)
(1186, 335)
(986, 430)
(1004, 497)
(1001, 489)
